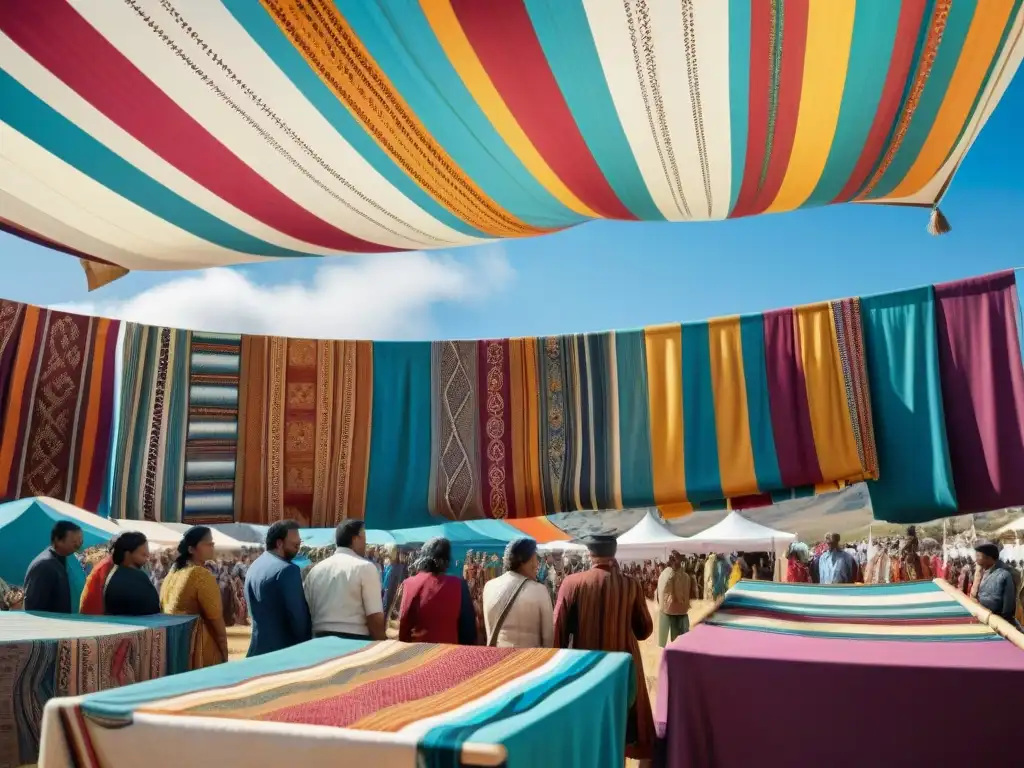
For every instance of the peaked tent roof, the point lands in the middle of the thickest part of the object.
(221, 541)
(737, 532)
(650, 538)
(25, 527)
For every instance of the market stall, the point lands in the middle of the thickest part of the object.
(737, 533)
(329, 697)
(45, 655)
(650, 539)
(839, 655)
(25, 527)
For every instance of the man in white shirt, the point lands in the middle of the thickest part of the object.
(344, 591)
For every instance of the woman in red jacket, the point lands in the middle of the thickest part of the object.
(436, 607)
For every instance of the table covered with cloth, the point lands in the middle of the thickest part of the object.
(383, 704)
(865, 675)
(43, 655)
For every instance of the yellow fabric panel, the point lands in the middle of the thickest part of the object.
(826, 393)
(346, 67)
(826, 60)
(664, 346)
(525, 436)
(463, 58)
(980, 48)
(732, 422)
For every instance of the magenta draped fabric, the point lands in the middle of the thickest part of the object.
(734, 698)
(982, 390)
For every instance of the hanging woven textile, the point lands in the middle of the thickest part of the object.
(59, 406)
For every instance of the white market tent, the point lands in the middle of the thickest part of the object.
(167, 535)
(650, 539)
(1014, 526)
(221, 541)
(738, 534)
(158, 535)
(561, 546)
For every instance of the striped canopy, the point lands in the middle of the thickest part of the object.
(166, 134)
(919, 610)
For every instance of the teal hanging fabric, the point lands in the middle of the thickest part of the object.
(915, 477)
(399, 481)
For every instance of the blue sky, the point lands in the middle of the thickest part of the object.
(598, 276)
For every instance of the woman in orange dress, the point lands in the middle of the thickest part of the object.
(190, 589)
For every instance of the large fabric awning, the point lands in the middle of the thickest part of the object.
(216, 132)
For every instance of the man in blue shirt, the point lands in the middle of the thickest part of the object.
(836, 566)
(273, 591)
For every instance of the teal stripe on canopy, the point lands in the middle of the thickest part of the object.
(874, 30)
(739, 90)
(42, 124)
(961, 13)
(399, 38)
(564, 34)
(261, 28)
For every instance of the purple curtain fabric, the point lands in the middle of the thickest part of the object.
(982, 390)
(733, 698)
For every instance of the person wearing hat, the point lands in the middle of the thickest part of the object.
(517, 607)
(603, 609)
(996, 589)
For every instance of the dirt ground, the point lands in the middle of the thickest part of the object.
(238, 641)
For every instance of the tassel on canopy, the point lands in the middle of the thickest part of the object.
(97, 275)
(937, 223)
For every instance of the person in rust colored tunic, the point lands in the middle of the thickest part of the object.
(603, 609)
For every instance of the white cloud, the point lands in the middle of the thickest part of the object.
(382, 297)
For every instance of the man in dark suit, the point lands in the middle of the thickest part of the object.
(47, 586)
(273, 591)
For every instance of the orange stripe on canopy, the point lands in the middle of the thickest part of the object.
(540, 529)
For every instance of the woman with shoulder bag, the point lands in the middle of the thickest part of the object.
(517, 608)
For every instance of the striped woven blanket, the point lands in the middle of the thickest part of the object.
(385, 705)
(918, 610)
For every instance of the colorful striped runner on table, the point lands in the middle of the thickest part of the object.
(387, 703)
(908, 611)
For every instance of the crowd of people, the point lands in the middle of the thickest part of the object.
(527, 599)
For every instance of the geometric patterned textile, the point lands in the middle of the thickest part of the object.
(196, 133)
(304, 430)
(46, 655)
(59, 407)
(917, 611)
(386, 704)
